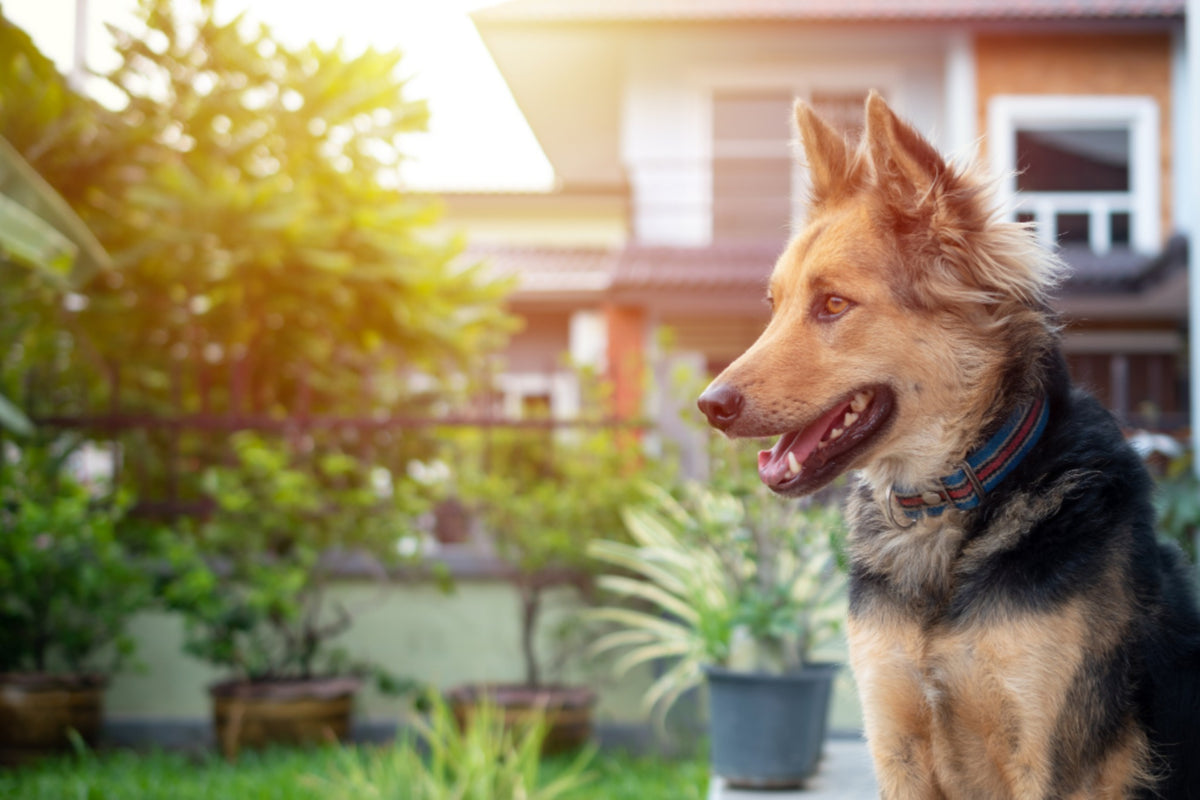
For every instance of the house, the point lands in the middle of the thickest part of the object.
(668, 123)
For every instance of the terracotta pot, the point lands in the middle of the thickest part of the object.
(37, 712)
(255, 714)
(567, 710)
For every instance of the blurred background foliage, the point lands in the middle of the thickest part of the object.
(248, 196)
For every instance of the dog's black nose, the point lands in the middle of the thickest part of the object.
(722, 404)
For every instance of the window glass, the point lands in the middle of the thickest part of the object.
(1073, 160)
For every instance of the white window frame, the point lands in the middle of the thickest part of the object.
(561, 387)
(1138, 113)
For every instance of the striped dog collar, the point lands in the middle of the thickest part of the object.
(982, 470)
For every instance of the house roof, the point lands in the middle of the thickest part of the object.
(735, 275)
(825, 10)
(551, 273)
(599, 48)
(722, 267)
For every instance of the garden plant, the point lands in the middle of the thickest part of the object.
(727, 585)
(720, 577)
(253, 582)
(544, 493)
(69, 587)
(439, 759)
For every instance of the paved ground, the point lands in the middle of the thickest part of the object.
(845, 774)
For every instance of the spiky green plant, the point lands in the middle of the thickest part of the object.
(483, 759)
(735, 579)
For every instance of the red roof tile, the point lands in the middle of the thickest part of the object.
(829, 10)
(721, 266)
(543, 271)
(736, 271)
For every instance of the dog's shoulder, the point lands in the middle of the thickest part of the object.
(1077, 508)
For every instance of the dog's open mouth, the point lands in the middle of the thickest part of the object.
(805, 460)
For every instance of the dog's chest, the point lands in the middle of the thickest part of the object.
(977, 694)
(946, 659)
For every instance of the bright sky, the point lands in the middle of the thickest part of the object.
(448, 63)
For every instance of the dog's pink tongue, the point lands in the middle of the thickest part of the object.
(773, 467)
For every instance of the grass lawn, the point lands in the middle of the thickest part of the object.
(300, 775)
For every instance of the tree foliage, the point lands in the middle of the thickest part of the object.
(247, 192)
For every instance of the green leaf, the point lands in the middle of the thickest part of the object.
(39, 228)
(13, 419)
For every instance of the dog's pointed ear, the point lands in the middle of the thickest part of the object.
(833, 170)
(907, 167)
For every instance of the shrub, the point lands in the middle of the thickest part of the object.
(253, 585)
(68, 585)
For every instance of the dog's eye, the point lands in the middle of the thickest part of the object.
(834, 306)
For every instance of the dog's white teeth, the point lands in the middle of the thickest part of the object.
(860, 402)
(849, 420)
(793, 465)
(821, 445)
(835, 433)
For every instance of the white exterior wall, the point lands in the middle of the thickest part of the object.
(666, 136)
(1183, 188)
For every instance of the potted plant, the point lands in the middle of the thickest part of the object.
(735, 588)
(254, 586)
(542, 496)
(68, 588)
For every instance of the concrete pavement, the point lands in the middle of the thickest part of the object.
(844, 774)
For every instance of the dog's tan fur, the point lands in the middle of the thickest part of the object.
(917, 314)
(977, 710)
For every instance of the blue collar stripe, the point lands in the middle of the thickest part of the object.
(985, 468)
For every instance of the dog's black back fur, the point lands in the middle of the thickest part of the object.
(1158, 669)
(1106, 522)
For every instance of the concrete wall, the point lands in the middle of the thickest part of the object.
(666, 122)
(413, 630)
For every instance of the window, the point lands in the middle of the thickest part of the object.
(752, 185)
(754, 175)
(1084, 169)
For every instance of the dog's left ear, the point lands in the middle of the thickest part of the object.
(911, 174)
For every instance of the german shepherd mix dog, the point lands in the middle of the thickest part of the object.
(1015, 629)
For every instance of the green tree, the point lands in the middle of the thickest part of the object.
(263, 220)
(45, 249)
(248, 194)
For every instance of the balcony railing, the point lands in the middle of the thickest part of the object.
(1099, 208)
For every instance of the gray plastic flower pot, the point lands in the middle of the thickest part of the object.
(767, 731)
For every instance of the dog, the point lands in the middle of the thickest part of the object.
(1015, 629)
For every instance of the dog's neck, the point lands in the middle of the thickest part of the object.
(981, 471)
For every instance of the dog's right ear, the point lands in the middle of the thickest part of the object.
(833, 170)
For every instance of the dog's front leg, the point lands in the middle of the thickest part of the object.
(896, 715)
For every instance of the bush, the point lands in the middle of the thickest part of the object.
(68, 585)
(252, 585)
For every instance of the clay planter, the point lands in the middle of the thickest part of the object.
(255, 714)
(37, 712)
(567, 710)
